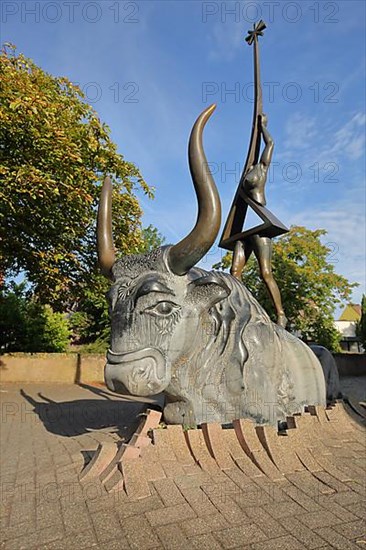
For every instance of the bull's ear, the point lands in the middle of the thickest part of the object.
(207, 290)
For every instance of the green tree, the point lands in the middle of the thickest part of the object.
(29, 326)
(361, 325)
(54, 153)
(309, 286)
(152, 238)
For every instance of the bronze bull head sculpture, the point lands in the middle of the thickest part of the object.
(200, 337)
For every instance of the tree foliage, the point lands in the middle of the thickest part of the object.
(309, 285)
(152, 238)
(54, 153)
(361, 325)
(29, 326)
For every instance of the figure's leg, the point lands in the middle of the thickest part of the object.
(263, 251)
(241, 254)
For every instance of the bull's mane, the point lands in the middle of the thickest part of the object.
(230, 317)
(134, 264)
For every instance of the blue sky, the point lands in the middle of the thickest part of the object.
(150, 67)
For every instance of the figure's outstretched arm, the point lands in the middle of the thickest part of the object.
(266, 156)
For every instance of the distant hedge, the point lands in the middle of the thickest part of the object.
(27, 325)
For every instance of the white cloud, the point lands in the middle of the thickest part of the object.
(344, 222)
(300, 131)
(225, 38)
(324, 141)
(350, 138)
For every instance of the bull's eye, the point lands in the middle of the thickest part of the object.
(163, 309)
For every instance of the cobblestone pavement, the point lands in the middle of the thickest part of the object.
(312, 498)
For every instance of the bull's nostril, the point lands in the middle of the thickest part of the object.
(141, 372)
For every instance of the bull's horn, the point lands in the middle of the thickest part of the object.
(105, 247)
(189, 251)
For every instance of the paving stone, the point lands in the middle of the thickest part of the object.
(35, 539)
(75, 493)
(196, 480)
(227, 507)
(352, 530)
(76, 518)
(129, 508)
(150, 420)
(280, 449)
(200, 451)
(179, 445)
(302, 533)
(331, 481)
(359, 510)
(307, 483)
(21, 510)
(302, 499)
(208, 524)
(173, 514)
(243, 496)
(287, 542)
(220, 488)
(308, 459)
(205, 542)
(194, 469)
(213, 434)
(47, 515)
(315, 520)
(239, 456)
(284, 510)
(162, 444)
(116, 544)
(339, 511)
(329, 467)
(109, 467)
(139, 533)
(104, 501)
(235, 536)
(17, 530)
(245, 483)
(275, 490)
(79, 541)
(199, 501)
(248, 439)
(134, 478)
(172, 469)
(358, 487)
(114, 482)
(169, 492)
(345, 499)
(335, 539)
(251, 499)
(270, 527)
(106, 525)
(172, 537)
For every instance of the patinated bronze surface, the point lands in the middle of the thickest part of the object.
(198, 336)
(251, 193)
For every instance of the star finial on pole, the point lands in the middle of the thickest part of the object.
(257, 31)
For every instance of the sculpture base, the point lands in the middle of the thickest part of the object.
(259, 452)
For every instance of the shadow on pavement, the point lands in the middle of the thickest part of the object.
(109, 413)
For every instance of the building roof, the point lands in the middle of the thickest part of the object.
(352, 312)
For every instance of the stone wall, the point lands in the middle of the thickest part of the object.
(70, 368)
(67, 368)
(351, 364)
